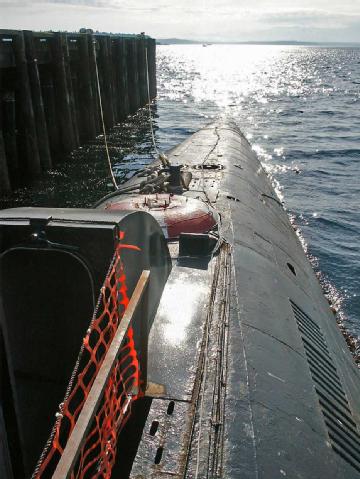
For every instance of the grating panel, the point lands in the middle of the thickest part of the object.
(342, 429)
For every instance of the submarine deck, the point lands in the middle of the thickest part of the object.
(249, 374)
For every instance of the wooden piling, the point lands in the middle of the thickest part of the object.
(115, 79)
(10, 135)
(49, 101)
(5, 186)
(141, 64)
(86, 93)
(151, 44)
(37, 101)
(122, 78)
(27, 117)
(62, 96)
(48, 94)
(93, 48)
(71, 79)
(112, 88)
(133, 75)
(104, 67)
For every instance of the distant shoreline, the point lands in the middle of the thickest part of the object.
(180, 41)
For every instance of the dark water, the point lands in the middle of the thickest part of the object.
(298, 106)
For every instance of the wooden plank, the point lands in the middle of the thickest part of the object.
(78, 435)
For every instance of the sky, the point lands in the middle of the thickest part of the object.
(207, 20)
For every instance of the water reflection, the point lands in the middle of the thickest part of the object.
(81, 178)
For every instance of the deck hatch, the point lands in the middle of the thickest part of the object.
(342, 430)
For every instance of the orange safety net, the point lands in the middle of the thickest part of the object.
(98, 452)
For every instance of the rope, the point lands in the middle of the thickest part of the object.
(149, 103)
(102, 120)
(162, 157)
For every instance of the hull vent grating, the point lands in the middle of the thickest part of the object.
(342, 430)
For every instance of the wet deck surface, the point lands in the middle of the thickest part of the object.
(176, 334)
(271, 394)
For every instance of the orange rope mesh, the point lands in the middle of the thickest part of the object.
(98, 452)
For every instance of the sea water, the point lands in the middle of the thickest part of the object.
(299, 107)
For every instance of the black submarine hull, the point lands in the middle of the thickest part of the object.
(288, 404)
(248, 375)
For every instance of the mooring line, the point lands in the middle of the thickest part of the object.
(149, 102)
(102, 119)
(161, 156)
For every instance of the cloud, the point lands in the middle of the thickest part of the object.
(141, 6)
(310, 18)
(199, 19)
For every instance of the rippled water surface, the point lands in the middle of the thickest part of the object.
(300, 109)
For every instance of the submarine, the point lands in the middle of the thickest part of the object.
(174, 330)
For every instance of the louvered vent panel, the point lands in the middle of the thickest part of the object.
(342, 429)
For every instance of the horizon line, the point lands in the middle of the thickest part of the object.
(301, 42)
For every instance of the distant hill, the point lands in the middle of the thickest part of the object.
(175, 41)
(181, 41)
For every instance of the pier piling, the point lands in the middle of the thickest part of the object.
(62, 97)
(133, 76)
(4, 172)
(85, 90)
(49, 101)
(10, 134)
(37, 101)
(28, 132)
